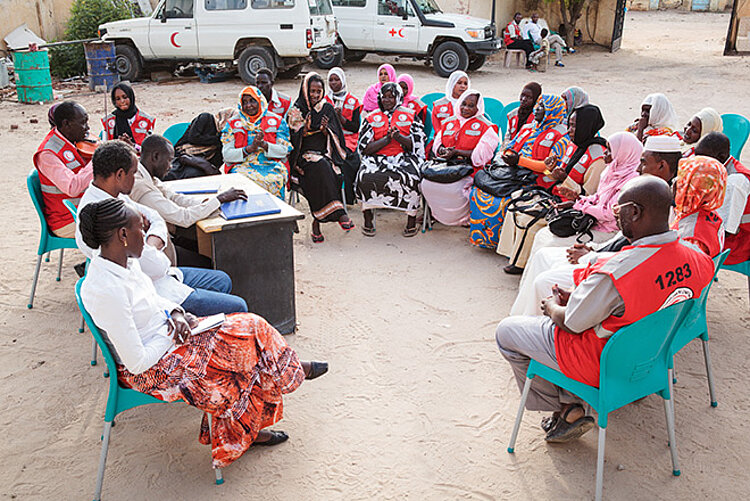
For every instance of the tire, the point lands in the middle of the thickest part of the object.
(450, 57)
(330, 61)
(253, 59)
(291, 72)
(128, 62)
(476, 62)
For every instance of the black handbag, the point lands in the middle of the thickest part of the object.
(570, 222)
(446, 172)
(501, 180)
(534, 202)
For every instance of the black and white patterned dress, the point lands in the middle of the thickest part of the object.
(391, 181)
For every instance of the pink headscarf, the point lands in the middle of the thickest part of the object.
(409, 81)
(370, 101)
(626, 156)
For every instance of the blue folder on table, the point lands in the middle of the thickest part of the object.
(255, 205)
(200, 189)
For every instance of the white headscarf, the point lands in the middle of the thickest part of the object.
(452, 80)
(337, 97)
(710, 121)
(464, 96)
(662, 113)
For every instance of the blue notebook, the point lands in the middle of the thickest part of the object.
(255, 205)
(203, 188)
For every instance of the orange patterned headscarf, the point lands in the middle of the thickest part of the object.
(255, 93)
(701, 184)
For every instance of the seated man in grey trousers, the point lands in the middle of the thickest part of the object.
(608, 295)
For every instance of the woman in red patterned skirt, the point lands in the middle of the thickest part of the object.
(236, 372)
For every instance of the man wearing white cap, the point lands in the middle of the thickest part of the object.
(660, 157)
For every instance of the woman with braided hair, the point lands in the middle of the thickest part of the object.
(236, 372)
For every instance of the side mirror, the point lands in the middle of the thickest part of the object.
(402, 13)
(163, 15)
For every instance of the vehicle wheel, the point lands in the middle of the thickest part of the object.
(326, 62)
(291, 72)
(476, 62)
(450, 57)
(128, 63)
(253, 59)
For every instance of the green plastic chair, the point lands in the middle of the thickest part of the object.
(737, 128)
(743, 268)
(633, 365)
(429, 99)
(119, 398)
(47, 241)
(175, 132)
(494, 110)
(696, 326)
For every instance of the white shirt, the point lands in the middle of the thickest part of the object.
(153, 262)
(533, 29)
(735, 200)
(125, 305)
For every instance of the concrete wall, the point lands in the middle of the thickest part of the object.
(46, 18)
(714, 5)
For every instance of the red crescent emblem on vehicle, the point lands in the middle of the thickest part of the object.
(172, 39)
(401, 32)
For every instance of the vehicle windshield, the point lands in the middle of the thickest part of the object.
(320, 7)
(428, 6)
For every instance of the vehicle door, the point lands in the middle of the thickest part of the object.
(356, 21)
(222, 22)
(396, 26)
(323, 23)
(172, 31)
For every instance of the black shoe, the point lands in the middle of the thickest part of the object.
(277, 437)
(512, 269)
(80, 269)
(317, 369)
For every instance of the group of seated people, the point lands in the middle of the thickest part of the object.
(648, 187)
(533, 36)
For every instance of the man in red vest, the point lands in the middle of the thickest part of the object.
(63, 173)
(277, 102)
(608, 295)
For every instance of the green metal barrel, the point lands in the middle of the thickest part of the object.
(33, 80)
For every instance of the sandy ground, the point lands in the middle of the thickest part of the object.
(418, 404)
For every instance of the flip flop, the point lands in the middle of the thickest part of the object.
(317, 239)
(348, 225)
(563, 431)
(368, 232)
(549, 422)
(410, 232)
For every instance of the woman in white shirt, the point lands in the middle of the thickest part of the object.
(237, 372)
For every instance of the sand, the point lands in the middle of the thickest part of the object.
(418, 404)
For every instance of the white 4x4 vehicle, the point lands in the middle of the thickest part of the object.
(411, 28)
(280, 35)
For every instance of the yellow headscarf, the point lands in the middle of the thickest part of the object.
(255, 93)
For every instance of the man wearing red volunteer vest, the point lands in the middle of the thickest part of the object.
(655, 271)
(513, 39)
(63, 173)
(277, 102)
(735, 211)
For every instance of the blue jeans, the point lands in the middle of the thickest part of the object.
(211, 294)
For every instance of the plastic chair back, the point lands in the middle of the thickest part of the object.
(429, 99)
(47, 241)
(175, 132)
(72, 209)
(737, 129)
(634, 361)
(494, 110)
(428, 132)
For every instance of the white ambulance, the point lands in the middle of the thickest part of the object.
(411, 28)
(280, 35)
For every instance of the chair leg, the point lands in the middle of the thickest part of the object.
(521, 407)
(709, 374)
(33, 283)
(671, 379)
(669, 411)
(425, 214)
(93, 351)
(343, 198)
(46, 257)
(217, 471)
(600, 463)
(102, 461)
(59, 265)
(83, 325)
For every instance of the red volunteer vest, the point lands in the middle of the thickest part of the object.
(466, 136)
(739, 242)
(418, 107)
(269, 124)
(578, 172)
(56, 214)
(705, 228)
(280, 109)
(511, 31)
(441, 110)
(670, 273)
(142, 126)
(401, 119)
(513, 125)
(351, 104)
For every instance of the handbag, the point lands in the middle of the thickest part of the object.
(445, 172)
(501, 180)
(570, 222)
(534, 202)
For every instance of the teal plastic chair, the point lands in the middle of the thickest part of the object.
(494, 110)
(743, 268)
(737, 129)
(696, 326)
(429, 99)
(47, 241)
(175, 132)
(633, 365)
(119, 398)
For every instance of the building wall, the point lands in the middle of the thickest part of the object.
(46, 18)
(714, 5)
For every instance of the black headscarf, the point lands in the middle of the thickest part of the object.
(335, 146)
(589, 121)
(201, 132)
(523, 115)
(122, 116)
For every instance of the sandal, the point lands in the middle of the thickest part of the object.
(277, 437)
(512, 269)
(411, 231)
(367, 231)
(549, 422)
(319, 238)
(317, 369)
(346, 226)
(563, 431)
